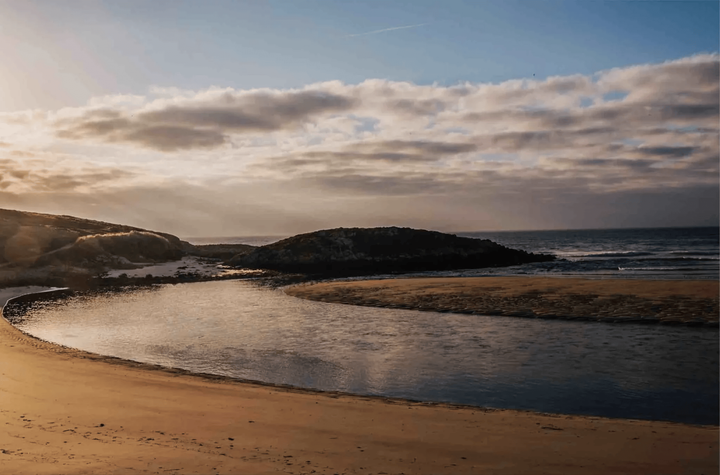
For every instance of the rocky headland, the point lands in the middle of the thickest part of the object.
(362, 251)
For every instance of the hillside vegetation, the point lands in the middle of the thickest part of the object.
(35, 247)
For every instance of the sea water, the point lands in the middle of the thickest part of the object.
(238, 329)
(650, 253)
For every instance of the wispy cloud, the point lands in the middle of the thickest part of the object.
(386, 29)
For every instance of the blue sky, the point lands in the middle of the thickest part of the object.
(126, 47)
(231, 118)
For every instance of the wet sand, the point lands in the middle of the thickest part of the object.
(611, 300)
(67, 411)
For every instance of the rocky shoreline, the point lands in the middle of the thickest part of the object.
(52, 250)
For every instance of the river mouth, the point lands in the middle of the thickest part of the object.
(236, 329)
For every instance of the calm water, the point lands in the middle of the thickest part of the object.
(650, 253)
(236, 329)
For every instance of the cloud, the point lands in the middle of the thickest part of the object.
(170, 138)
(603, 163)
(52, 173)
(682, 93)
(688, 79)
(251, 112)
(673, 152)
(342, 149)
(202, 123)
(386, 29)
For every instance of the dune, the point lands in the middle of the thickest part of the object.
(65, 411)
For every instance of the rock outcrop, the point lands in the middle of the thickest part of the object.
(354, 251)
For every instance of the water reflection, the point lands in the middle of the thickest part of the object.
(233, 328)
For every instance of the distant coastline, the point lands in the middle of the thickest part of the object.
(666, 253)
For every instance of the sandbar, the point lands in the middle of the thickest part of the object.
(64, 411)
(688, 302)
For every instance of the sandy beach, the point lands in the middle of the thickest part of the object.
(67, 411)
(612, 300)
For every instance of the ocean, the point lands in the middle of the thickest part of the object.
(644, 253)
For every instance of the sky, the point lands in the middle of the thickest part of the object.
(280, 117)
